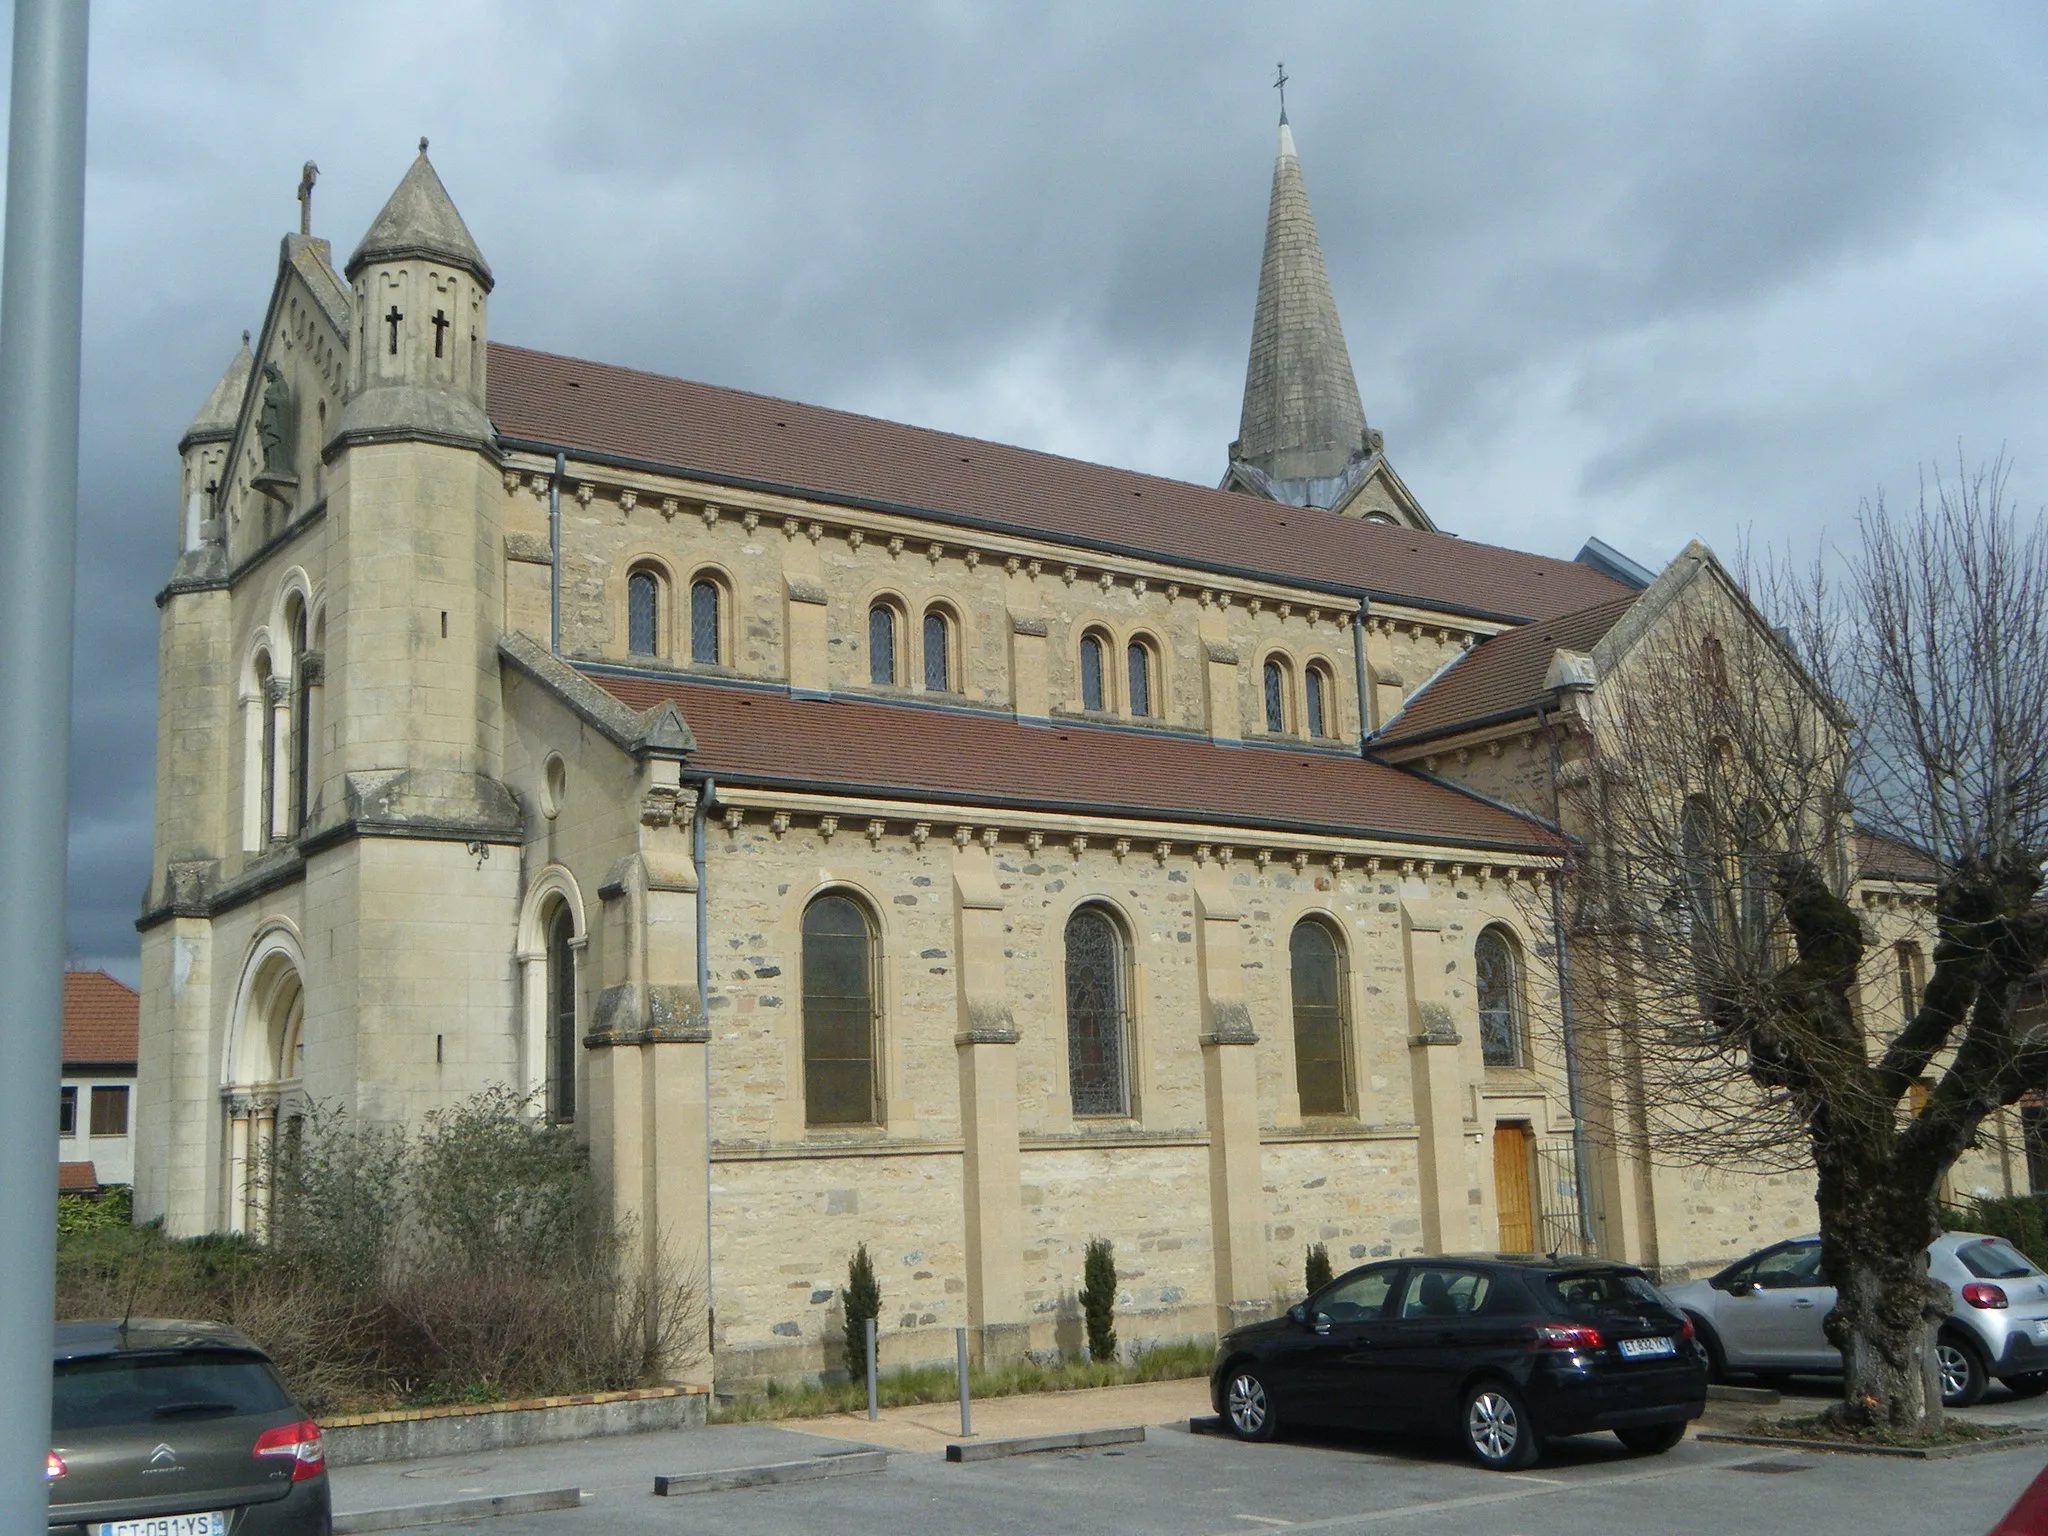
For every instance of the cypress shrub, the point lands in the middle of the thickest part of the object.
(1316, 1272)
(863, 1300)
(1098, 1298)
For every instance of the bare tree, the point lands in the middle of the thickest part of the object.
(1739, 1006)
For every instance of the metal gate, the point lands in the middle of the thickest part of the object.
(1557, 1196)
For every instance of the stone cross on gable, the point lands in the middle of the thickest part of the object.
(306, 179)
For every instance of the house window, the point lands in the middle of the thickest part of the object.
(1317, 971)
(1091, 673)
(110, 1111)
(67, 1111)
(938, 647)
(1317, 693)
(643, 613)
(1098, 1014)
(704, 602)
(882, 645)
(562, 1034)
(839, 1013)
(1138, 658)
(1275, 679)
(1912, 979)
(1500, 999)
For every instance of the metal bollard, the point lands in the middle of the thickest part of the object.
(960, 1352)
(873, 1412)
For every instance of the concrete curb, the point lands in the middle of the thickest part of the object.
(359, 1522)
(836, 1464)
(2017, 1442)
(1029, 1445)
(1717, 1393)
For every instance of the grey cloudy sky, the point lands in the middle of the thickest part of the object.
(1646, 272)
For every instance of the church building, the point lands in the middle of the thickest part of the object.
(861, 833)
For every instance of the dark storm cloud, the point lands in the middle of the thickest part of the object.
(1645, 272)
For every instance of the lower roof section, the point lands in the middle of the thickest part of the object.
(873, 747)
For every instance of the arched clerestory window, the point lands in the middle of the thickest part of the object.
(563, 1036)
(938, 651)
(1317, 694)
(1098, 1014)
(1094, 690)
(1498, 980)
(1321, 1039)
(643, 613)
(706, 599)
(882, 645)
(840, 1013)
(1139, 664)
(1273, 679)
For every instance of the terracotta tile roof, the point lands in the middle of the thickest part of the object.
(77, 1179)
(1502, 674)
(1886, 858)
(99, 1018)
(907, 751)
(725, 434)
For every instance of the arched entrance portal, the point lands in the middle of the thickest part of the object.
(262, 1087)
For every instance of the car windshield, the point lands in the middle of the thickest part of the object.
(144, 1389)
(1605, 1291)
(1994, 1258)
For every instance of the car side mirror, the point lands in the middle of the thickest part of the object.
(1298, 1314)
(1740, 1287)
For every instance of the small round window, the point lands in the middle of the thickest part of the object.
(554, 779)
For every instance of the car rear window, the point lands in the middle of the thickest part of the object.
(1604, 1291)
(144, 1389)
(1995, 1259)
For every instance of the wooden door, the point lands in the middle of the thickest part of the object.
(1514, 1186)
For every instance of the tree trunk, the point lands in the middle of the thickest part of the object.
(1875, 1232)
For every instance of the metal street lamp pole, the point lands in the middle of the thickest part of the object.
(40, 304)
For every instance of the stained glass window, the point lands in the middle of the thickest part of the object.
(1315, 702)
(1276, 698)
(1096, 1014)
(562, 1040)
(839, 1014)
(1091, 673)
(704, 622)
(882, 644)
(1317, 972)
(1140, 664)
(643, 610)
(1500, 1000)
(937, 648)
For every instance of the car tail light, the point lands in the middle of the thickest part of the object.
(1685, 1327)
(54, 1468)
(1567, 1336)
(1989, 1297)
(301, 1442)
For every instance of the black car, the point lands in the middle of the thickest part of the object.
(1502, 1350)
(164, 1428)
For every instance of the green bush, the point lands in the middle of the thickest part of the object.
(1098, 1298)
(863, 1302)
(2021, 1220)
(1316, 1271)
(109, 1210)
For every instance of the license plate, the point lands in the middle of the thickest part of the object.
(212, 1523)
(2041, 1327)
(1636, 1349)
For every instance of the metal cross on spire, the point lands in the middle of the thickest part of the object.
(1280, 85)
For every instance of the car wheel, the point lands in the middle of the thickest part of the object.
(1497, 1428)
(1651, 1439)
(1963, 1377)
(1717, 1358)
(2026, 1384)
(1248, 1405)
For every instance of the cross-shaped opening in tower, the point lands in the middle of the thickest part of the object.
(441, 324)
(392, 320)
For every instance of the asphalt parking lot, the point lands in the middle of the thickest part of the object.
(1191, 1485)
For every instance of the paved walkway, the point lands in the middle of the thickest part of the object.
(934, 1426)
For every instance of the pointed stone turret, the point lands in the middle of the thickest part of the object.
(216, 419)
(1302, 419)
(203, 451)
(419, 221)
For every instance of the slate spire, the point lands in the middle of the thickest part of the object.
(1302, 421)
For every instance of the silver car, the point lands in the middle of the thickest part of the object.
(1764, 1314)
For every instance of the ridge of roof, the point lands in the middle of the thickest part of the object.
(850, 745)
(604, 413)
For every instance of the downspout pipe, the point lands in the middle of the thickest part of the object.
(1581, 1171)
(1358, 665)
(555, 555)
(707, 792)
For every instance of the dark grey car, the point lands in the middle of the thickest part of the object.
(178, 1429)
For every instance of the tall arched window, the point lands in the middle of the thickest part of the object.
(1499, 984)
(704, 636)
(938, 651)
(1138, 662)
(882, 645)
(1752, 859)
(1912, 978)
(267, 736)
(1317, 971)
(1098, 1014)
(562, 1032)
(643, 613)
(1317, 695)
(1092, 692)
(1275, 680)
(1697, 859)
(302, 735)
(839, 1013)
